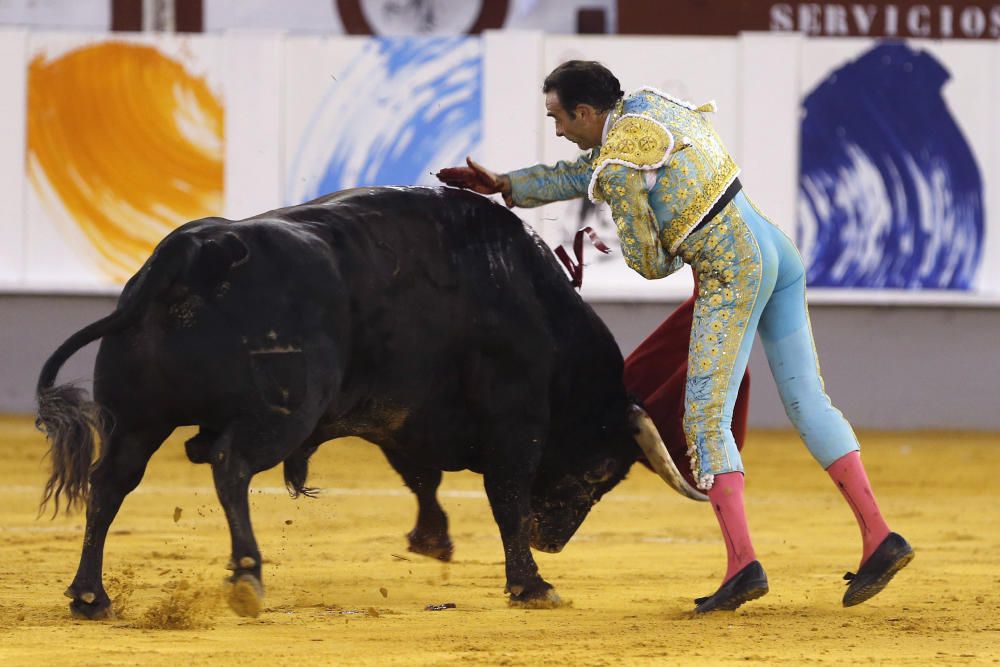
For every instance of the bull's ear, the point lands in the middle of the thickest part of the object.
(217, 257)
(235, 249)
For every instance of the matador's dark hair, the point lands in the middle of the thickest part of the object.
(583, 82)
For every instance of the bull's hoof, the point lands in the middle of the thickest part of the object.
(435, 546)
(246, 595)
(548, 599)
(90, 606)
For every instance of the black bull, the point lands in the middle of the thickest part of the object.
(427, 321)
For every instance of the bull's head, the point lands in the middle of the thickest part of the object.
(564, 491)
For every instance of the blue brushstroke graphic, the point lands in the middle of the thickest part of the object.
(890, 195)
(406, 107)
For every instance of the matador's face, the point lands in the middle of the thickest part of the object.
(584, 127)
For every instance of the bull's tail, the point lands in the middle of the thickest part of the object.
(297, 471)
(73, 424)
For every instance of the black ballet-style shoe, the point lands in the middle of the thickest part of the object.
(748, 584)
(892, 555)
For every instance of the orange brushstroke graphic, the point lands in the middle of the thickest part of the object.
(130, 143)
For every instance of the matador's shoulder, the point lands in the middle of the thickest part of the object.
(639, 136)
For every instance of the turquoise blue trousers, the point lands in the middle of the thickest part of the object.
(751, 280)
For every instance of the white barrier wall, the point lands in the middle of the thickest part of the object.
(253, 73)
(895, 192)
(13, 68)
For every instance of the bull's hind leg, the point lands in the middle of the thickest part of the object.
(117, 473)
(232, 482)
(240, 452)
(232, 473)
(430, 535)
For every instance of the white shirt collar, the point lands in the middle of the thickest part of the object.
(607, 126)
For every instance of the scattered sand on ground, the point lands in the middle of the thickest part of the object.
(181, 607)
(342, 589)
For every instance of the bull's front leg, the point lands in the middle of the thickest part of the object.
(510, 499)
(430, 535)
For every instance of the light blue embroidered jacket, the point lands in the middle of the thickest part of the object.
(661, 168)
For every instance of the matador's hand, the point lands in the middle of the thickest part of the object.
(477, 178)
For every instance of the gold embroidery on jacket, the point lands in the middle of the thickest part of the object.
(634, 141)
(697, 168)
(636, 223)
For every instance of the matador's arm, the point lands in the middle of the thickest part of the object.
(541, 184)
(624, 189)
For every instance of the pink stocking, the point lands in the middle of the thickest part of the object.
(726, 496)
(848, 474)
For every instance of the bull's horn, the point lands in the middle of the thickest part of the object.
(656, 453)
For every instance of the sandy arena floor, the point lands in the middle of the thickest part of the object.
(342, 589)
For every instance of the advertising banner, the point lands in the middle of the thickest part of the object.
(897, 154)
(878, 158)
(124, 142)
